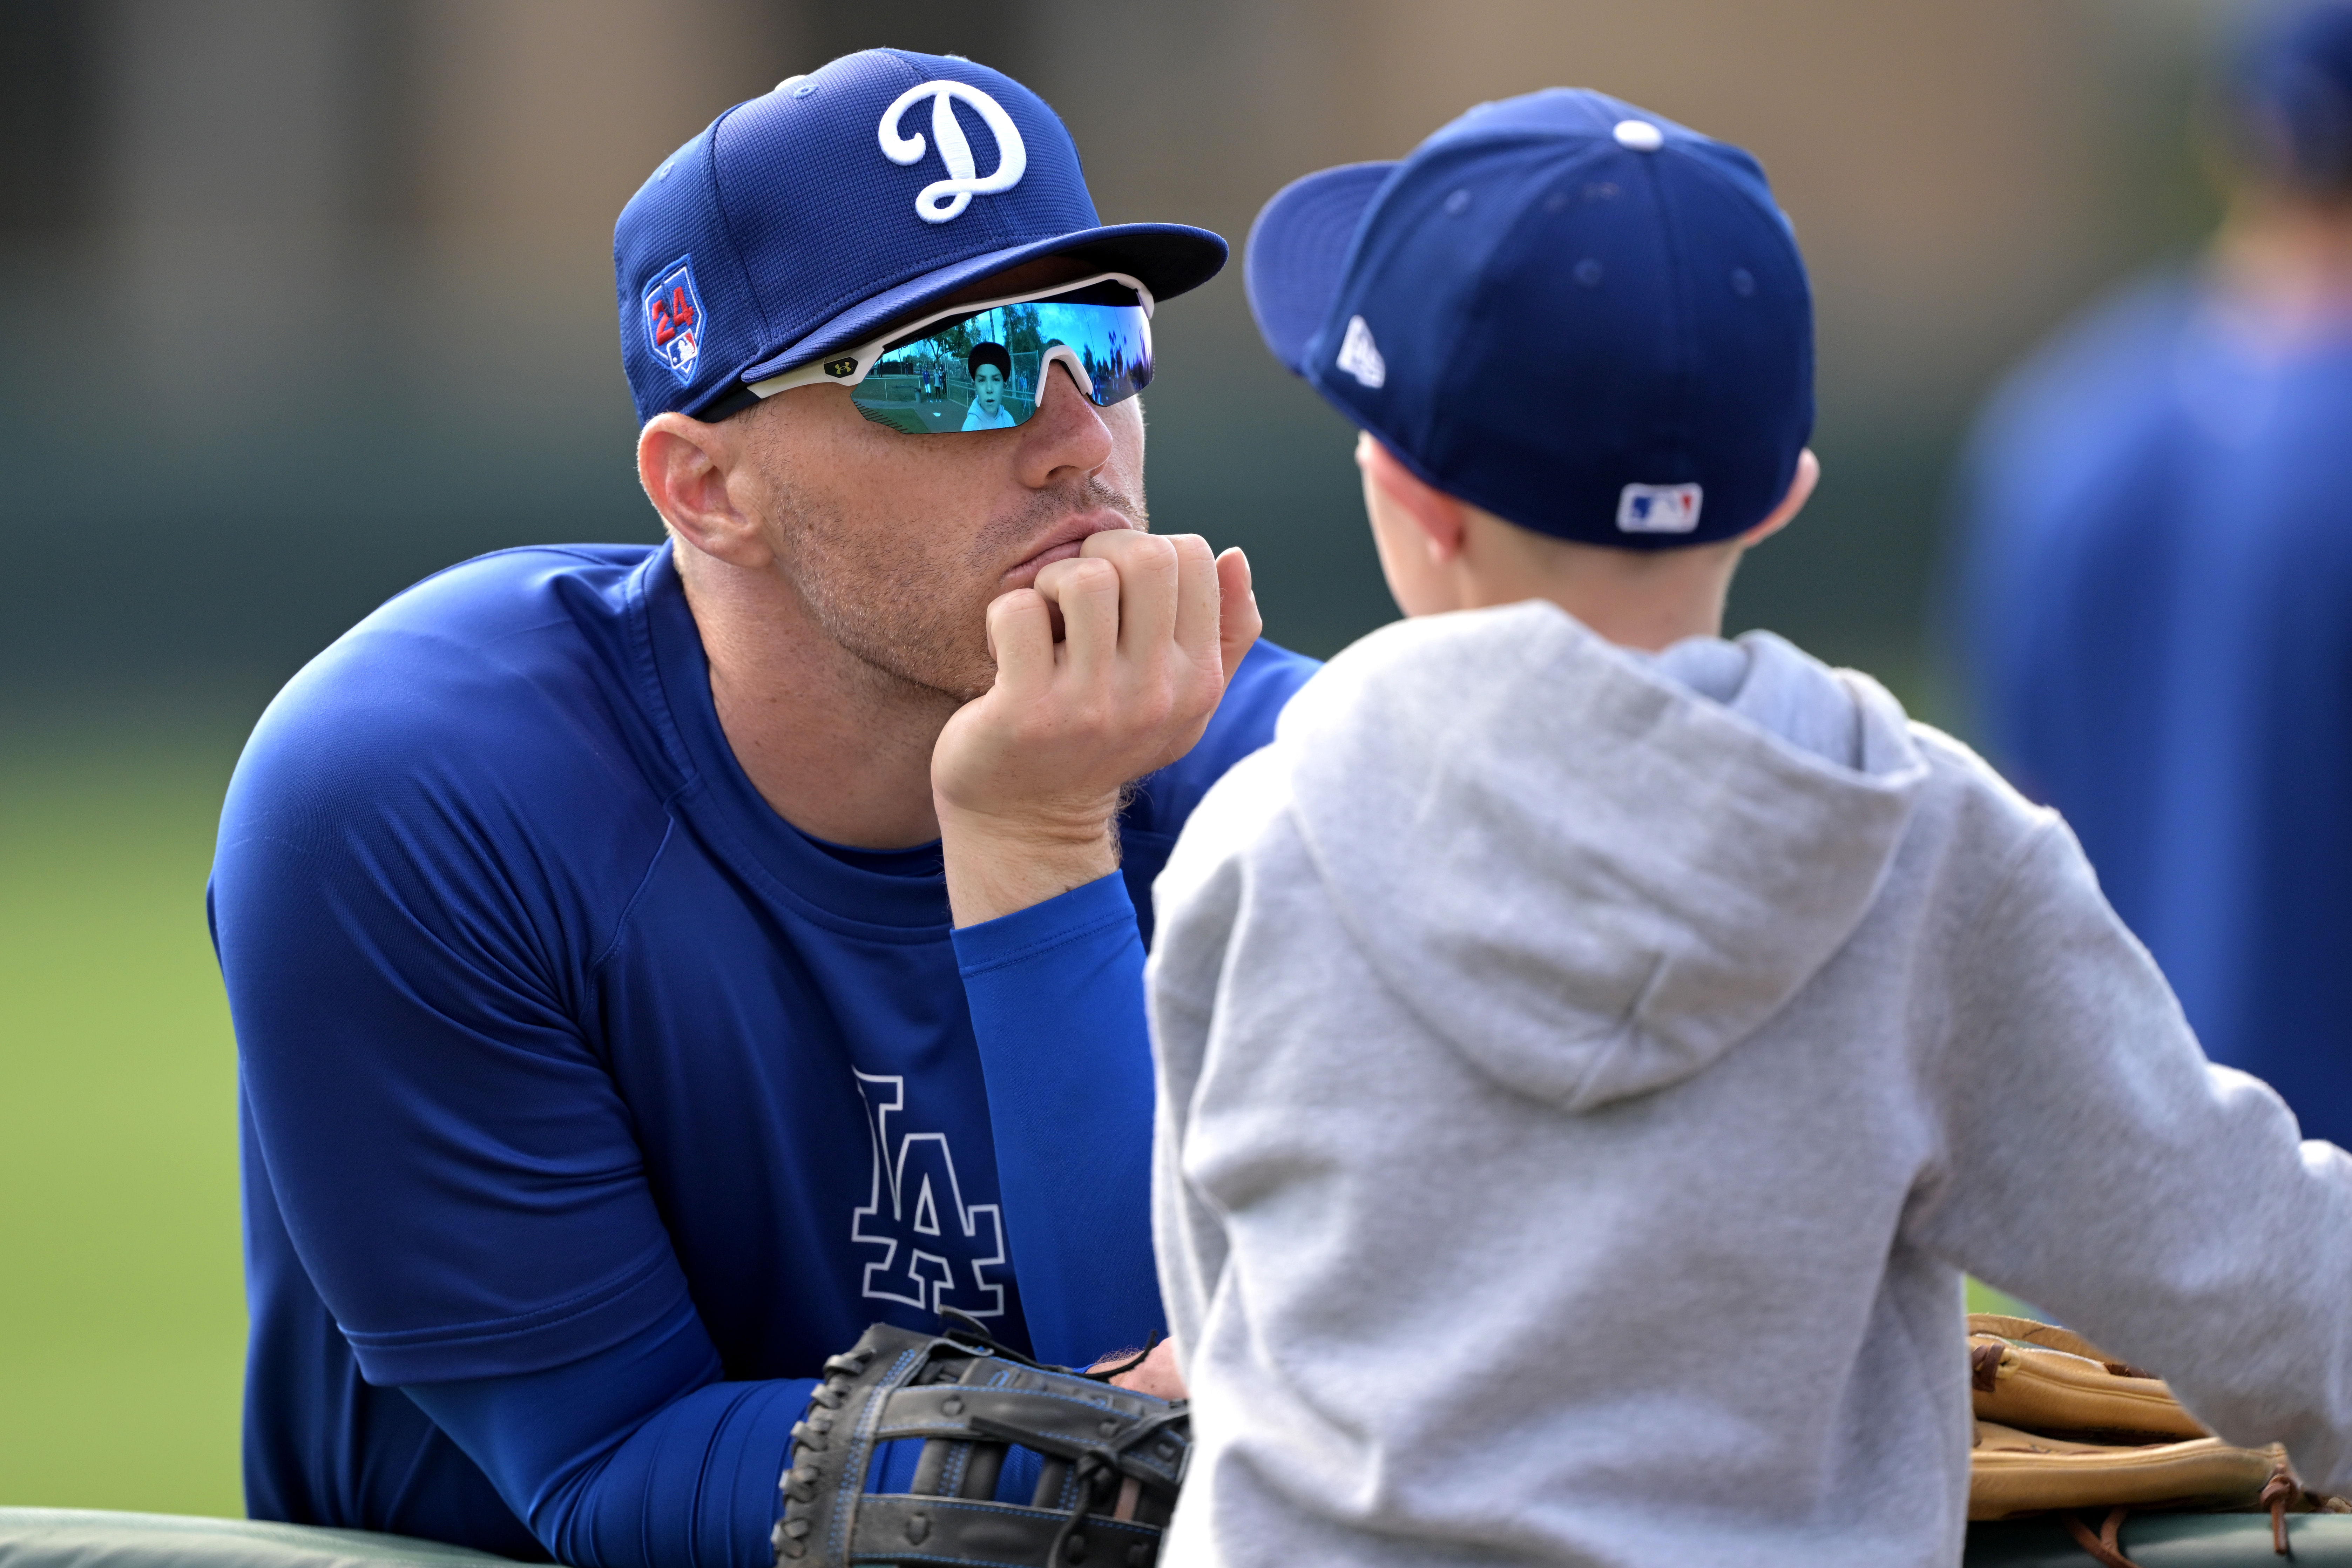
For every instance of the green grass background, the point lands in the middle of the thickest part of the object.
(122, 1311)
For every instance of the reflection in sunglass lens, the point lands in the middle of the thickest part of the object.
(984, 373)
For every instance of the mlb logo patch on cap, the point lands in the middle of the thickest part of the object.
(1658, 509)
(673, 312)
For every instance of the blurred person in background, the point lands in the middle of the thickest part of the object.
(2155, 593)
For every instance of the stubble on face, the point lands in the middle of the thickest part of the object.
(907, 594)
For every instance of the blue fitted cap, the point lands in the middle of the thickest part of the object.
(808, 219)
(1581, 317)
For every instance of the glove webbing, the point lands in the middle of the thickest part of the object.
(969, 1400)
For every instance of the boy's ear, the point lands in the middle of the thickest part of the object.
(1801, 490)
(1439, 515)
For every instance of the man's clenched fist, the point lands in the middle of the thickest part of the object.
(1027, 776)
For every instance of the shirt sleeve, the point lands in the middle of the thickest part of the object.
(457, 1174)
(1056, 998)
(636, 1456)
(2095, 1164)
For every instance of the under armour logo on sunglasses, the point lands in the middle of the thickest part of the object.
(943, 199)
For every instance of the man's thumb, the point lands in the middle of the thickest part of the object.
(1238, 623)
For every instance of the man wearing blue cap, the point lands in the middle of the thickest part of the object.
(2156, 605)
(1591, 1050)
(652, 966)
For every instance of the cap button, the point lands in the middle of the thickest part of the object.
(1640, 135)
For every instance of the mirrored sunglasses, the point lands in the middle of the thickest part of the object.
(983, 366)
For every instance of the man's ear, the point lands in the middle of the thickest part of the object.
(1801, 490)
(1439, 515)
(686, 466)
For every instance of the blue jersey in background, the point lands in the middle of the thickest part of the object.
(589, 1106)
(2156, 612)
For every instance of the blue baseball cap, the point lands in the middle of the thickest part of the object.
(808, 219)
(2290, 94)
(1571, 312)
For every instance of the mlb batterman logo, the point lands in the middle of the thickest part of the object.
(673, 323)
(1658, 509)
(943, 199)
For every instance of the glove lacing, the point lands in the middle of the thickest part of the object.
(2280, 1491)
(1089, 1473)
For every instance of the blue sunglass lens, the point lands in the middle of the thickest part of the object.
(984, 373)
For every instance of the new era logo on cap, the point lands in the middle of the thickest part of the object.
(1658, 509)
(1359, 356)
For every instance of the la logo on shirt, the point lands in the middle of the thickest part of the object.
(936, 1250)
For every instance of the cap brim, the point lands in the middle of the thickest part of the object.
(1169, 258)
(1297, 248)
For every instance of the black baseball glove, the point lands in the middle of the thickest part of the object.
(1113, 1461)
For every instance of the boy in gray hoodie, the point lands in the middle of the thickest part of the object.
(1591, 1051)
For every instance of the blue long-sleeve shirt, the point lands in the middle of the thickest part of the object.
(588, 1105)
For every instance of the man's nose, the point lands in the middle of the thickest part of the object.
(1066, 432)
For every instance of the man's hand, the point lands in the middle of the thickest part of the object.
(1027, 776)
(1155, 1374)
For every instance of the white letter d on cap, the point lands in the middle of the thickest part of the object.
(943, 199)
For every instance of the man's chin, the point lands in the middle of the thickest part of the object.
(919, 673)
(959, 686)
(961, 683)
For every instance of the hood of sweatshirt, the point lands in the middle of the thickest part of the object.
(1594, 871)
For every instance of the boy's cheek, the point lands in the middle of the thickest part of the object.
(1418, 583)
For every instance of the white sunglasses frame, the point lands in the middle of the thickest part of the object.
(852, 365)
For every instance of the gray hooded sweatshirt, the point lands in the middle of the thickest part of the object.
(1584, 1078)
